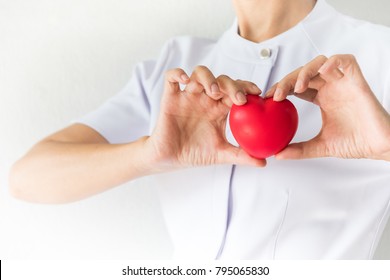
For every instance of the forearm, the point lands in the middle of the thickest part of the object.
(60, 172)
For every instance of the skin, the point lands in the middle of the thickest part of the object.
(354, 123)
(259, 20)
(77, 162)
(58, 169)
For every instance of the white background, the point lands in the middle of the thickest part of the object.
(62, 58)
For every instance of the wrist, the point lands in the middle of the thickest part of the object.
(383, 140)
(150, 159)
(387, 139)
(139, 156)
(386, 154)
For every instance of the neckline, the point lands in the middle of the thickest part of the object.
(239, 48)
(318, 11)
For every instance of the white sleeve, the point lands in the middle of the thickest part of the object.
(127, 116)
(386, 99)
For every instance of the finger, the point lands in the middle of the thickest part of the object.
(303, 150)
(308, 95)
(308, 72)
(316, 83)
(299, 80)
(283, 91)
(173, 78)
(337, 66)
(271, 91)
(249, 87)
(193, 87)
(233, 91)
(236, 155)
(286, 85)
(202, 76)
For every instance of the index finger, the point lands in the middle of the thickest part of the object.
(205, 78)
(297, 81)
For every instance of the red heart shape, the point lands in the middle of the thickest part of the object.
(263, 127)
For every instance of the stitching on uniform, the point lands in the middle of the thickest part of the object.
(380, 225)
(309, 38)
(281, 224)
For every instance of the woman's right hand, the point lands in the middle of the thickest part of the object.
(191, 127)
(190, 132)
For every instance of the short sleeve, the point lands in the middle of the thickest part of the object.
(127, 116)
(386, 99)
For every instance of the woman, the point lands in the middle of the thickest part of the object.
(314, 208)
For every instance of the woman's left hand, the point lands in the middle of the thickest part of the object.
(354, 123)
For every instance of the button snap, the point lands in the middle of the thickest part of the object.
(265, 53)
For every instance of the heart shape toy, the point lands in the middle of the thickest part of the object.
(263, 127)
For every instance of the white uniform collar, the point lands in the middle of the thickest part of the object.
(239, 48)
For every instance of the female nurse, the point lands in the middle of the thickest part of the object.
(169, 123)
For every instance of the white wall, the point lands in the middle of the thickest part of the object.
(60, 59)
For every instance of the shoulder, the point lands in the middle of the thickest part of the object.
(179, 52)
(190, 41)
(176, 52)
(334, 32)
(181, 49)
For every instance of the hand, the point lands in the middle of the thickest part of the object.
(191, 127)
(354, 123)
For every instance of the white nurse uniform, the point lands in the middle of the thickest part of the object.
(307, 209)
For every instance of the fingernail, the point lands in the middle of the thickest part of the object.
(256, 88)
(270, 92)
(184, 77)
(214, 88)
(322, 69)
(298, 86)
(241, 97)
(278, 94)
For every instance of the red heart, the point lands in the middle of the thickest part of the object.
(263, 127)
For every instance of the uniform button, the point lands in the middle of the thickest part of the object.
(265, 53)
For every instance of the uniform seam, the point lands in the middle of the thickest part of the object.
(281, 225)
(301, 25)
(380, 225)
(167, 49)
(229, 213)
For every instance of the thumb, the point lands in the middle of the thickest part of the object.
(313, 148)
